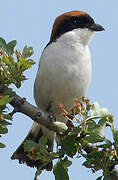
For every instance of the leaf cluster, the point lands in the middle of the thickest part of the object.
(13, 64)
(85, 138)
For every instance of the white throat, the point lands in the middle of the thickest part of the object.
(77, 37)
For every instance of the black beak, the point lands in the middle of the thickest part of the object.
(96, 27)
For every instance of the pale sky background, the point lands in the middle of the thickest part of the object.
(30, 23)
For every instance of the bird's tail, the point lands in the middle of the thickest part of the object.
(36, 132)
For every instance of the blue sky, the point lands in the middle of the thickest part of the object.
(30, 23)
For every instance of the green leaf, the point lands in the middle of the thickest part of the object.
(93, 160)
(6, 60)
(108, 144)
(28, 145)
(104, 146)
(44, 156)
(66, 162)
(95, 133)
(27, 52)
(2, 42)
(24, 64)
(102, 122)
(42, 143)
(7, 116)
(11, 46)
(38, 172)
(35, 178)
(9, 91)
(60, 172)
(3, 45)
(5, 123)
(115, 135)
(7, 48)
(76, 131)
(2, 145)
(41, 149)
(90, 125)
(42, 152)
(99, 130)
(18, 84)
(107, 178)
(5, 99)
(3, 129)
(69, 145)
(99, 178)
(93, 138)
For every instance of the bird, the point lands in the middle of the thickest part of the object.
(64, 73)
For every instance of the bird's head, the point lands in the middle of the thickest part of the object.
(75, 21)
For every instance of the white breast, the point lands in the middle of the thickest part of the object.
(64, 74)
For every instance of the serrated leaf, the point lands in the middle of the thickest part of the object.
(5, 99)
(60, 172)
(2, 145)
(27, 52)
(69, 145)
(3, 129)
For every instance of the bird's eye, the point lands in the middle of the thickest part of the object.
(75, 21)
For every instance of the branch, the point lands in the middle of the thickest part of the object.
(35, 113)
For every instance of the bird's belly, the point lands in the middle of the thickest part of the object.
(59, 82)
